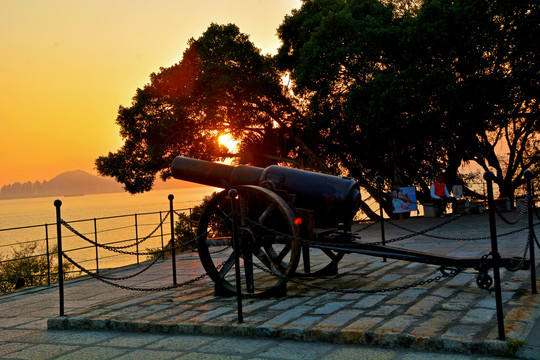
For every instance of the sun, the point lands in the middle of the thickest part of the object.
(227, 141)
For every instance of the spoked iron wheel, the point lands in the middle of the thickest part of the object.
(266, 239)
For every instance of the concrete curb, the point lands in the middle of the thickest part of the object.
(373, 338)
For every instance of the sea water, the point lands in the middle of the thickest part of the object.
(33, 220)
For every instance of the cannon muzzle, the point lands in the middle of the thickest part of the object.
(214, 174)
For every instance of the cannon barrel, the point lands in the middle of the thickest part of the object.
(334, 199)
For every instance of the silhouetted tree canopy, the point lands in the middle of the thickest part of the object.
(400, 89)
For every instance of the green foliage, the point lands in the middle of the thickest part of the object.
(222, 84)
(30, 263)
(187, 224)
(185, 230)
(514, 345)
(400, 89)
(406, 95)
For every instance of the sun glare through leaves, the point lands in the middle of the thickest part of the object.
(228, 141)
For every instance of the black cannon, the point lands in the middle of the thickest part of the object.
(334, 200)
(278, 205)
(283, 217)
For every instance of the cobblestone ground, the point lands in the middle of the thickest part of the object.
(449, 318)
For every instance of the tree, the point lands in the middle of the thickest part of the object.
(369, 92)
(509, 93)
(402, 91)
(222, 84)
(408, 94)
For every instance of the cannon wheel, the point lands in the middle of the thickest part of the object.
(262, 217)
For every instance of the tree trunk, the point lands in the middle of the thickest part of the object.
(506, 190)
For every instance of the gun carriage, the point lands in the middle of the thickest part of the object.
(289, 222)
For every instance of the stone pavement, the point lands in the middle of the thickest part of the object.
(447, 319)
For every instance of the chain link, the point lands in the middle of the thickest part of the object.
(303, 241)
(522, 212)
(163, 288)
(452, 273)
(137, 273)
(523, 258)
(461, 239)
(113, 248)
(349, 244)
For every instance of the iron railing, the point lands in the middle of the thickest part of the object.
(112, 231)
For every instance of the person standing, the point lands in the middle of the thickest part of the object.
(439, 194)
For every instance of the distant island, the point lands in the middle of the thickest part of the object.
(76, 183)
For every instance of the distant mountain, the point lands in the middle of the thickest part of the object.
(73, 183)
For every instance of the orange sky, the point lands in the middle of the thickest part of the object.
(66, 66)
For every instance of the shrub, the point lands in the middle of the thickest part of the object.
(28, 262)
(185, 230)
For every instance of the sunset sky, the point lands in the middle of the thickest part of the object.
(66, 66)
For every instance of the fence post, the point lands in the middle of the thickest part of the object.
(96, 246)
(530, 209)
(489, 176)
(137, 239)
(48, 252)
(233, 193)
(379, 185)
(58, 204)
(173, 248)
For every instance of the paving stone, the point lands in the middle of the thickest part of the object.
(331, 307)
(181, 343)
(235, 345)
(290, 351)
(407, 297)
(286, 304)
(432, 356)
(144, 354)
(40, 351)
(86, 337)
(255, 305)
(478, 316)
(462, 279)
(360, 353)
(515, 329)
(461, 301)
(14, 334)
(203, 356)
(488, 303)
(521, 313)
(323, 299)
(384, 310)
(424, 306)
(351, 297)
(8, 348)
(369, 301)
(390, 277)
(363, 324)
(450, 315)
(339, 319)
(306, 321)
(444, 292)
(431, 327)
(205, 316)
(463, 332)
(397, 324)
(290, 315)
